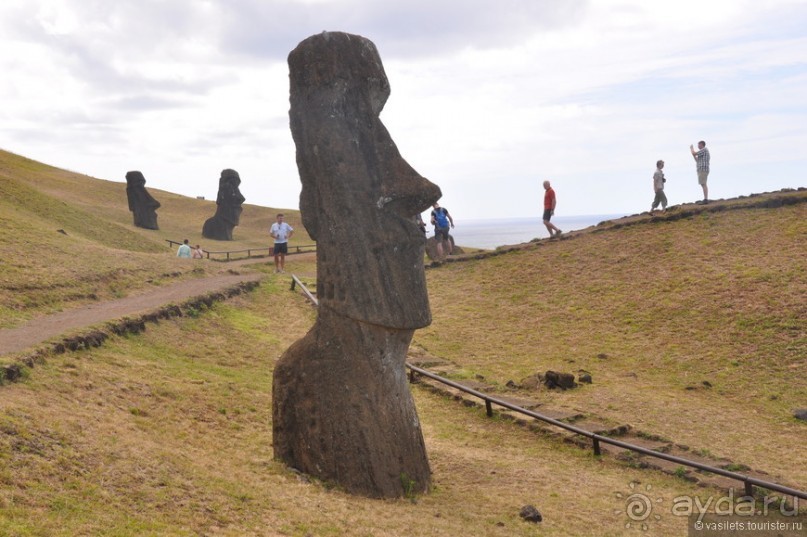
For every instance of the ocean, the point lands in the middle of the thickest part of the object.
(493, 232)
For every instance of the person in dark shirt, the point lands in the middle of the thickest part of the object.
(441, 221)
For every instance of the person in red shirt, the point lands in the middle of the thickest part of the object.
(549, 210)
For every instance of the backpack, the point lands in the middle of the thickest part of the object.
(440, 217)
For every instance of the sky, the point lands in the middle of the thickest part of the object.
(489, 99)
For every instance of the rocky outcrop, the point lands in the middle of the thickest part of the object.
(342, 410)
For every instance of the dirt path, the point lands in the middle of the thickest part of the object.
(42, 329)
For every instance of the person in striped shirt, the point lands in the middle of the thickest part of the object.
(701, 157)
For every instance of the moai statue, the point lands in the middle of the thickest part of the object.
(143, 206)
(342, 410)
(228, 208)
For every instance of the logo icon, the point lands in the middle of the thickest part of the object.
(638, 507)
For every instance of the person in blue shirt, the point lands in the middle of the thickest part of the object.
(441, 221)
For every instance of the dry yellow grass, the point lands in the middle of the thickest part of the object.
(169, 433)
(101, 254)
(717, 298)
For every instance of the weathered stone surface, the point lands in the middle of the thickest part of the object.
(800, 413)
(431, 247)
(143, 206)
(10, 372)
(530, 514)
(228, 208)
(555, 379)
(533, 382)
(342, 409)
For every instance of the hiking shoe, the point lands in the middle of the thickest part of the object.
(558, 232)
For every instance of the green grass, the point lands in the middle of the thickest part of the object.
(717, 298)
(168, 432)
(101, 254)
(164, 433)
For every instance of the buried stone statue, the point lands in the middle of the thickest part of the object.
(141, 203)
(342, 410)
(228, 208)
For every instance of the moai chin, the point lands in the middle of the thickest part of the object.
(228, 208)
(141, 203)
(342, 410)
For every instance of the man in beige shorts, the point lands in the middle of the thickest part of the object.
(701, 157)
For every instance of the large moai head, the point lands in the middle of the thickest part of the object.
(141, 203)
(359, 196)
(229, 197)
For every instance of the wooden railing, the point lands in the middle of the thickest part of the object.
(596, 439)
(229, 255)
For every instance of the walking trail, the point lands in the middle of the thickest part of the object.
(39, 330)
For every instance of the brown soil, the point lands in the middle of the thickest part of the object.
(42, 329)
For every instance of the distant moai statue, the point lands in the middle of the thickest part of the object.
(341, 406)
(228, 208)
(143, 206)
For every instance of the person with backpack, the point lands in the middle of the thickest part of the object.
(441, 221)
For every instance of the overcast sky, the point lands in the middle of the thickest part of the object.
(488, 98)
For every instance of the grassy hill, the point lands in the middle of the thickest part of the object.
(101, 254)
(693, 329)
(168, 432)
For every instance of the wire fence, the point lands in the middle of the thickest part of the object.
(230, 255)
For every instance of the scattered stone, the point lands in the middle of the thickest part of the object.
(511, 384)
(530, 514)
(431, 248)
(602, 356)
(584, 377)
(10, 372)
(141, 203)
(800, 414)
(532, 382)
(707, 384)
(564, 381)
(63, 232)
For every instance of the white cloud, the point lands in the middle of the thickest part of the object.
(488, 99)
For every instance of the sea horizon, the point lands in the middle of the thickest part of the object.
(489, 233)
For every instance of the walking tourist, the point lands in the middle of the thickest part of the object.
(658, 188)
(549, 210)
(441, 221)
